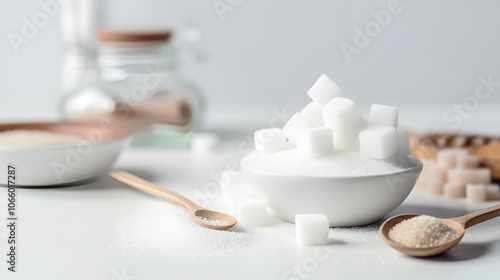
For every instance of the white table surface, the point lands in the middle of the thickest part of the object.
(77, 233)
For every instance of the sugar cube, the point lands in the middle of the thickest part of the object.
(438, 173)
(383, 115)
(253, 212)
(324, 90)
(476, 192)
(315, 142)
(447, 158)
(453, 191)
(466, 176)
(424, 176)
(341, 115)
(467, 161)
(434, 187)
(459, 141)
(378, 141)
(313, 112)
(478, 141)
(311, 229)
(271, 140)
(403, 139)
(421, 183)
(230, 178)
(296, 123)
(433, 174)
(492, 192)
(235, 188)
(349, 140)
(235, 196)
(346, 141)
(204, 142)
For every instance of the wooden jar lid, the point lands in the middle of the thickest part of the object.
(105, 35)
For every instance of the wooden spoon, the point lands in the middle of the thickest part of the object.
(207, 218)
(459, 223)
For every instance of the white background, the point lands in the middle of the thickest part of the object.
(266, 54)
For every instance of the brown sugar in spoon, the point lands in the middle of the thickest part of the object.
(459, 224)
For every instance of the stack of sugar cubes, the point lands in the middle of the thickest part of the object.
(329, 122)
(456, 174)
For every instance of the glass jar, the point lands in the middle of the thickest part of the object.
(139, 87)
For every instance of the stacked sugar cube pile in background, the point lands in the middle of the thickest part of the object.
(457, 174)
(332, 122)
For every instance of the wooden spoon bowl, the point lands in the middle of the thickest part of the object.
(459, 224)
(418, 252)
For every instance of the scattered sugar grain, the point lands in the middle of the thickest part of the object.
(204, 142)
(355, 234)
(422, 231)
(167, 229)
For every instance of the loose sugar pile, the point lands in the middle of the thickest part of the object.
(338, 163)
(168, 229)
(423, 231)
(24, 137)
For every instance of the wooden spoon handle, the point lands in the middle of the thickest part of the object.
(174, 112)
(153, 189)
(479, 216)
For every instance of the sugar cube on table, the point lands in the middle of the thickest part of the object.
(341, 115)
(296, 123)
(235, 196)
(476, 192)
(467, 161)
(204, 142)
(253, 212)
(453, 191)
(315, 142)
(313, 112)
(270, 140)
(383, 115)
(311, 229)
(492, 192)
(324, 90)
(438, 173)
(403, 139)
(231, 179)
(434, 187)
(234, 189)
(378, 141)
(424, 176)
(447, 158)
(459, 141)
(466, 176)
(421, 183)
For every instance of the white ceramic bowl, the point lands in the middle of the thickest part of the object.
(49, 165)
(346, 201)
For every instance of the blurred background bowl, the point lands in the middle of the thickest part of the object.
(50, 165)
